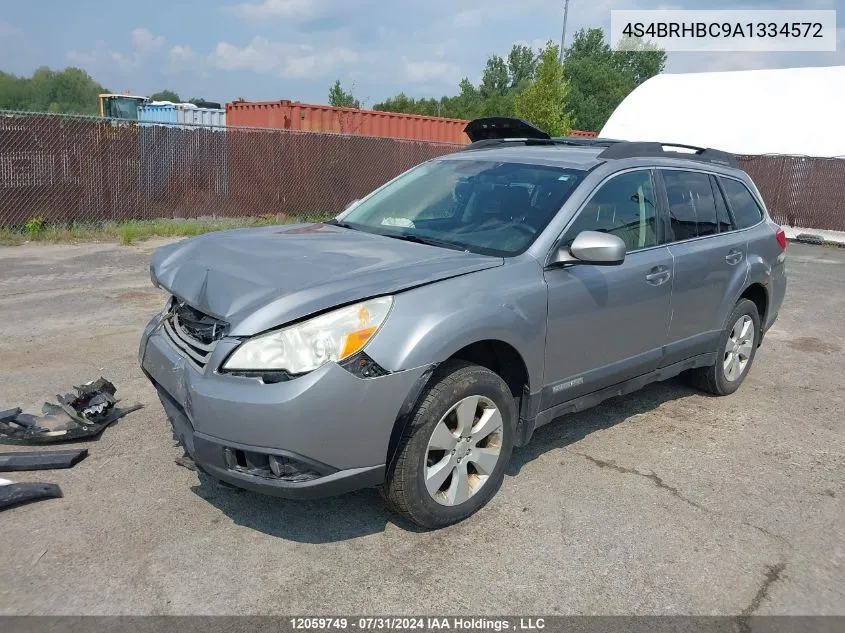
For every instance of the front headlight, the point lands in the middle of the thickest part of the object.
(305, 346)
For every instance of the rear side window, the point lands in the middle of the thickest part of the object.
(744, 206)
(692, 207)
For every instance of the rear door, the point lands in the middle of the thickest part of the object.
(766, 257)
(710, 261)
(607, 324)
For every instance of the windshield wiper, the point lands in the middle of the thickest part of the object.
(340, 223)
(430, 241)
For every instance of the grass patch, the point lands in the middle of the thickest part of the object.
(137, 230)
(133, 231)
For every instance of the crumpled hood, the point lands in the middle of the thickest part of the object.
(257, 279)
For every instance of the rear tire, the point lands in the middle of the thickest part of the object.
(452, 456)
(736, 350)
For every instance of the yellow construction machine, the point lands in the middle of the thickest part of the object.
(120, 106)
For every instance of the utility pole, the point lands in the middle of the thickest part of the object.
(563, 31)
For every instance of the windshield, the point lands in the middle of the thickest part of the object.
(486, 207)
(122, 108)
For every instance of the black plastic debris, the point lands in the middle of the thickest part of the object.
(12, 494)
(85, 414)
(41, 460)
(809, 238)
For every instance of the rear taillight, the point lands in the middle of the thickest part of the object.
(781, 238)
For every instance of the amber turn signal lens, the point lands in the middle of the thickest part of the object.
(355, 341)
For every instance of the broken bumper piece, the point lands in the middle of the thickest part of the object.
(12, 494)
(41, 460)
(85, 414)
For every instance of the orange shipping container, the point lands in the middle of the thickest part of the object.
(293, 115)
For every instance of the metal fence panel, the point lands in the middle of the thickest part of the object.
(800, 190)
(82, 169)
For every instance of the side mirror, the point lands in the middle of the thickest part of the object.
(592, 247)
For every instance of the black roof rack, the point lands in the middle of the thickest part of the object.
(494, 131)
(502, 127)
(636, 149)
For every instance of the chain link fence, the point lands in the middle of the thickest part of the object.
(69, 169)
(800, 190)
(66, 169)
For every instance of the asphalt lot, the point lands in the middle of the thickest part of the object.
(666, 501)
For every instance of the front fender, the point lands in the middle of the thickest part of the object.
(429, 324)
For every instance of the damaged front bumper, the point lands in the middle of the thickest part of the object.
(86, 414)
(317, 435)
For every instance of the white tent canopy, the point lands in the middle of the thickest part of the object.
(785, 111)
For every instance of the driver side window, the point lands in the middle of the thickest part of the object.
(623, 206)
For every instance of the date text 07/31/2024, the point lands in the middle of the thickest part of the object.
(417, 623)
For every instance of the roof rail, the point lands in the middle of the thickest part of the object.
(567, 141)
(586, 141)
(636, 149)
(613, 148)
(493, 142)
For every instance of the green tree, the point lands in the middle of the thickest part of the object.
(502, 81)
(543, 102)
(70, 91)
(597, 85)
(640, 60)
(399, 103)
(165, 95)
(340, 98)
(600, 78)
(495, 80)
(589, 43)
(14, 92)
(522, 64)
(469, 102)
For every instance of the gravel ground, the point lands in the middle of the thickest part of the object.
(666, 501)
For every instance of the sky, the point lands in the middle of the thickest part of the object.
(222, 50)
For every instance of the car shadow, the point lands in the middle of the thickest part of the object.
(362, 513)
(574, 427)
(340, 518)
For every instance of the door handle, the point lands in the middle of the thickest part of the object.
(734, 256)
(658, 275)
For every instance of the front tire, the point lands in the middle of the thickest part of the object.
(452, 456)
(737, 347)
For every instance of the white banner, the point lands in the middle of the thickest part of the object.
(725, 30)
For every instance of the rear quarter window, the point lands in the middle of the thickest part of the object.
(744, 206)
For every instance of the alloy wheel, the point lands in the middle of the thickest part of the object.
(738, 348)
(463, 450)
